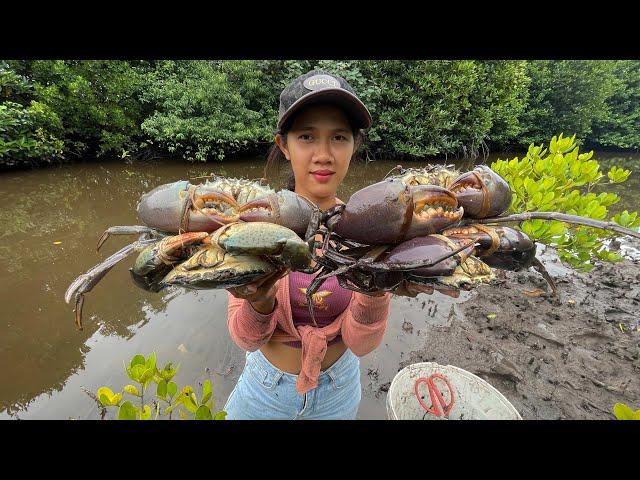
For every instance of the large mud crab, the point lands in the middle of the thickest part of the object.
(182, 206)
(418, 202)
(406, 231)
(208, 219)
(432, 228)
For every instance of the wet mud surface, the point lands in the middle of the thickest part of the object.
(568, 358)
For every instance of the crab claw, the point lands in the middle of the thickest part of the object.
(390, 212)
(284, 208)
(482, 192)
(180, 205)
(155, 261)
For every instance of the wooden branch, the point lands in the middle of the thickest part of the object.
(561, 217)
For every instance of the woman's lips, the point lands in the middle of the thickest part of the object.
(322, 176)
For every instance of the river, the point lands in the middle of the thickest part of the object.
(51, 219)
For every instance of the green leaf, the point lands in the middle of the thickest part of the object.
(137, 360)
(151, 361)
(147, 375)
(172, 388)
(203, 413)
(105, 395)
(136, 372)
(168, 372)
(207, 391)
(624, 412)
(556, 228)
(188, 398)
(132, 390)
(221, 415)
(127, 411)
(161, 391)
(146, 413)
(531, 186)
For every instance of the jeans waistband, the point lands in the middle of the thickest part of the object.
(337, 369)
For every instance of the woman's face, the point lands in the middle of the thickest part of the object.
(319, 146)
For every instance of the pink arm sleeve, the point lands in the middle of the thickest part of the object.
(365, 322)
(248, 328)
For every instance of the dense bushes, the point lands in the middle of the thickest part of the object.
(29, 130)
(207, 109)
(199, 110)
(566, 96)
(621, 128)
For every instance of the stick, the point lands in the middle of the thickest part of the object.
(561, 217)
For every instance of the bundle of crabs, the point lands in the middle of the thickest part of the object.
(430, 229)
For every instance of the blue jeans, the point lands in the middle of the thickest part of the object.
(264, 392)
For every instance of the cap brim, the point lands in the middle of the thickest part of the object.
(352, 104)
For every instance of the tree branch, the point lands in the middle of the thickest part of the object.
(561, 217)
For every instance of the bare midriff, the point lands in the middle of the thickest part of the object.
(289, 359)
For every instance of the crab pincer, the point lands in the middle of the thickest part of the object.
(482, 192)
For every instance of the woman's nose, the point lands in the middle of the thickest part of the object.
(323, 153)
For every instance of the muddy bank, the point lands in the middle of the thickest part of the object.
(570, 358)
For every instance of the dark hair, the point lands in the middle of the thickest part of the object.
(276, 158)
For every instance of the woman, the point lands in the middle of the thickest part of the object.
(293, 369)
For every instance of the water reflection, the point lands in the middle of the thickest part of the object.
(47, 360)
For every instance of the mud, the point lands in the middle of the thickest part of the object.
(572, 357)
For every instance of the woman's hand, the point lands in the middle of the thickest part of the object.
(262, 293)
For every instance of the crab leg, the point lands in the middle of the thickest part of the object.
(85, 282)
(128, 230)
(539, 267)
(381, 266)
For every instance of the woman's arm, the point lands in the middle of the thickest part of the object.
(365, 322)
(248, 328)
(251, 313)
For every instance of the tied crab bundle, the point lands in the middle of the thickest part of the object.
(432, 228)
(218, 234)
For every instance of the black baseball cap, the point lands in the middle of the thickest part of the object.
(318, 86)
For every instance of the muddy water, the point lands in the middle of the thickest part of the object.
(51, 220)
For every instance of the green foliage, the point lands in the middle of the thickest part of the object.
(621, 129)
(207, 109)
(201, 110)
(29, 130)
(624, 412)
(566, 95)
(561, 179)
(143, 371)
(424, 108)
(97, 101)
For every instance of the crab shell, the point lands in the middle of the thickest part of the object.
(482, 192)
(264, 238)
(514, 251)
(430, 247)
(389, 212)
(212, 267)
(439, 175)
(181, 206)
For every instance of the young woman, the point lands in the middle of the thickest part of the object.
(295, 370)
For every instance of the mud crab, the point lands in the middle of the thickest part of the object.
(391, 211)
(233, 255)
(183, 207)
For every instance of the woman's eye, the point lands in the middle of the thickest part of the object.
(341, 138)
(305, 136)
